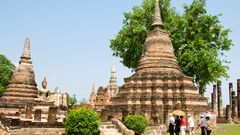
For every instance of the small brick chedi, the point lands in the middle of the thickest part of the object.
(103, 96)
(22, 86)
(157, 87)
(22, 97)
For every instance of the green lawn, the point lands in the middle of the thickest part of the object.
(228, 130)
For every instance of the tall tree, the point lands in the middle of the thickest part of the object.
(72, 100)
(6, 70)
(199, 39)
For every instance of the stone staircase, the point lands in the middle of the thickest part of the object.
(107, 128)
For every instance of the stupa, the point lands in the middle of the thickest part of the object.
(157, 87)
(93, 95)
(103, 96)
(22, 87)
(113, 85)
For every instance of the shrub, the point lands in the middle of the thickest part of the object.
(137, 123)
(82, 122)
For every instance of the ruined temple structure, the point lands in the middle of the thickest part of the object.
(59, 98)
(93, 96)
(22, 103)
(102, 98)
(113, 85)
(232, 110)
(22, 88)
(157, 87)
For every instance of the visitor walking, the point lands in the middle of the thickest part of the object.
(177, 125)
(190, 125)
(202, 124)
(171, 124)
(208, 128)
(183, 125)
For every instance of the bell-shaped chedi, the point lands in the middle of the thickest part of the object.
(22, 86)
(158, 87)
(158, 52)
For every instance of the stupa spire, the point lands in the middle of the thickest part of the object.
(113, 72)
(26, 56)
(113, 85)
(157, 17)
(93, 88)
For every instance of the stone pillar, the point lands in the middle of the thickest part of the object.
(234, 106)
(219, 93)
(28, 112)
(238, 96)
(38, 115)
(214, 99)
(52, 114)
(228, 114)
(64, 100)
(230, 93)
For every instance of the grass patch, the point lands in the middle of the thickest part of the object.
(228, 130)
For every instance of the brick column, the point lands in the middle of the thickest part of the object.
(64, 100)
(219, 93)
(38, 115)
(230, 93)
(234, 106)
(214, 99)
(238, 96)
(228, 114)
(28, 112)
(52, 114)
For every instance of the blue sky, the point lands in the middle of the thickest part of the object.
(70, 39)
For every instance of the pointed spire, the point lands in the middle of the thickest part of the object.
(93, 88)
(157, 17)
(113, 68)
(113, 72)
(25, 58)
(113, 85)
(26, 50)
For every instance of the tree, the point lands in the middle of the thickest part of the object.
(72, 100)
(199, 40)
(137, 123)
(83, 101)
(6, 71)
(82, 122)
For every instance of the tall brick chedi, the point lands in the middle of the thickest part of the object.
(22, 86)
(157, 87)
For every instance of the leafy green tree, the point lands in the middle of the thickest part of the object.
(72, 100)
(6, 70)
(82, 122)
(137, 123)
(199, 39)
